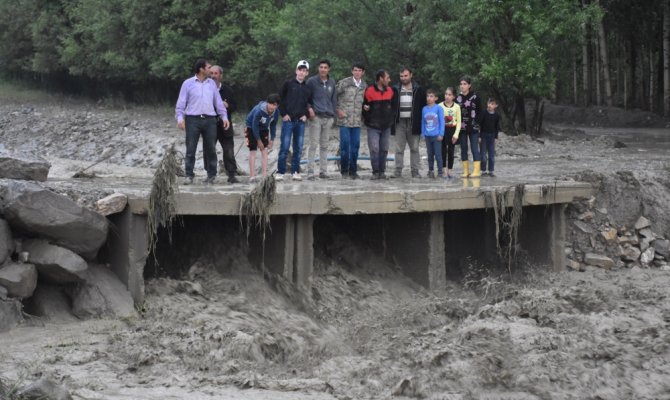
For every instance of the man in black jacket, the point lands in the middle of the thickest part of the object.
(225, 136)
(407, 130)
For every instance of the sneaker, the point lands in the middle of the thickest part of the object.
(397, 174)
(449, 176)
(383, 176)
(416, 175)
(431, 175)
(233, 179)
(354, 175)
(323, 175)
(484, 173)
(296, 176)
(279, 177)
(491, 174)
(188, 180)
(254, 179)
(375, 176)
(209, 180)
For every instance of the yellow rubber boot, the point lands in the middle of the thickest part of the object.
(475, 182)
(466, 169)
(476, 169)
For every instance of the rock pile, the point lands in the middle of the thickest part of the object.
(48, 254)
(594, 238)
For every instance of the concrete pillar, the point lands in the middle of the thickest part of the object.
(289, 248)
(556, 228)
(416, 242)
(303, 256)
(127, 250)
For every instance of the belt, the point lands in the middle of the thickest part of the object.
(201, 116)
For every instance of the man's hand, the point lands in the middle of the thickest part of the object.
(439, 138)
(480, 140)
(226, 124)
(270, 144)
(366, 107)
(303, 118)
(181, 125)
(286, 118)
(341, 114)
(259, 143)
(454, 139)
(311, 112)
(225, 104)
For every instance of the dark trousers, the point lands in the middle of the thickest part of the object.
(473, 138)
(195, 127)
(434, 151)
(350, 141)
(378, 144)
(448, 148)
(225, 137)
(488, 151)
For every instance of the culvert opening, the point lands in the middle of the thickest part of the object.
(215, 240)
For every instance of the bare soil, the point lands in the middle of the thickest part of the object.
(365, 331)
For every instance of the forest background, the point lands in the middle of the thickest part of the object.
(588, 52)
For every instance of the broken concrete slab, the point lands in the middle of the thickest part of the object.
(10, 314)
(6, 241)
(54, 263)
(112, 204)
(23, 166)
(102, 295)
(598, 260)
(20, 280)
(34, 210)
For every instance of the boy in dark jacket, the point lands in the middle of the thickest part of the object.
(490, 126)
(260, 131)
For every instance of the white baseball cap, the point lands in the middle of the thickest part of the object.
(302, 63)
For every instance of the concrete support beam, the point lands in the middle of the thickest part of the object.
(127, 250)
(289, 248)
(416, 242)
(556, 228)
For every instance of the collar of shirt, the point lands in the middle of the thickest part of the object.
(357, 82)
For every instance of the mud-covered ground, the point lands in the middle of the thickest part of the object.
(365, 331)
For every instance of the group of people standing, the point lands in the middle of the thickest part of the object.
(405, 110)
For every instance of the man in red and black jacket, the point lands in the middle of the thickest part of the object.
(379, 109)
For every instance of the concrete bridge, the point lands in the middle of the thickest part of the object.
(426, 228)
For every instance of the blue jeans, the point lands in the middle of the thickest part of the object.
(294, 130)
(378, 144)
(434, 150)
(473, 138)
(488, 150)
(350, 142)
(196, 126)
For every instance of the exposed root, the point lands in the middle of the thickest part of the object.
(508, 219)
(162, 201)
(255, 206)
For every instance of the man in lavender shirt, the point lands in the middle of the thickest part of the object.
(197, 107)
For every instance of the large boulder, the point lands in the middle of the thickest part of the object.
(37, 211)
(102, 295)
(112, 204)
(23, 166)
(598, 260)
(6, 241)
(54, 263)
(43, 389)
(50, 302)
(20, 280)
(10, 314)
(662, 247)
